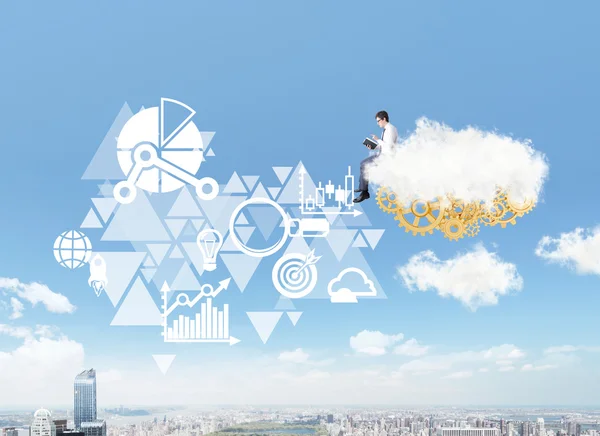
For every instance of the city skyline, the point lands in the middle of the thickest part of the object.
(284, 93)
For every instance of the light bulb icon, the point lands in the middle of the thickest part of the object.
(209, 242)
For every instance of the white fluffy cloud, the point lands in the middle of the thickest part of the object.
(506, 368)
(34, 293)
(578, 250)
(373, 343)
(40, 367)
(470, 163)
(532, 367)
(300, 356)
(411, 348)
(571, 349)
(446, 362)
(460, 374)
(476, 278)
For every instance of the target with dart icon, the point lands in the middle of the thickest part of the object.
(295, 274)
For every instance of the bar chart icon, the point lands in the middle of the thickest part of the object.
(328, 196)
(209, 324)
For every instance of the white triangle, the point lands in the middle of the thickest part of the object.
(185, 206)
(176, 226)
(176, 253)
(373, 236)
(331, 216)
(250, 181)
(158, 251)
(198, 223)
(241, 267)
(105, 206)
(149, 262)
(282, 173)
(274, 191)
(210, 153)
(360, 242)
(260, 192)
(294, 316)
(91, 221)
(206, 139)
(241, 220)
(185, 280)
(164, 361)
(264, 323)
(138, 308)
(235, 185)
(284, 303)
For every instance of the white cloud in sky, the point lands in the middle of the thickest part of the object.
(300, 356)
(374, 343)
(476, 278)
(460, 374)
(17, 308)
(571, 349)
(35, 293)
(470, 163)
(578, 250)
(532, 367)
(506, 368)
(411, 348)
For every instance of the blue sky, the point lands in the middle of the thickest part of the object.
(281, 82)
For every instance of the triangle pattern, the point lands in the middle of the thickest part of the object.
(266, 218)
(136, 222)
(242, 220)
(357, 221)
(264, 323)
(210, 153)
(250, 181)
(148, 273)
(244, 233)
(104, 164)
(91, 221)
(360, 242)
(291, 191)
(260, 192)
(221, 224)
(274, 191)
(294, 317)
(121, 267)
(185, 206)
(163, 361)
(106, 189)
(189, 229)
(194, 256)
(158, 251)
(176, 253)
(235, 185)
(105, 207)
(340, 240)
(284, 303)
(206, 139)
(176, 226)
(185, 280)
(241, 267)
(198, 224)
(228, 244)
(331, 217)
(138, 308)
(282, 173)
(149, 262)
(373, 236)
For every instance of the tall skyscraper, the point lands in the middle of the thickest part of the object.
(96, 428)
(85, 398)
(42, 424)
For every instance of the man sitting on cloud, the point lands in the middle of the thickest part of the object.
(469, 164)
(389, 137)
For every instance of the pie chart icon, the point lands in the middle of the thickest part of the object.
(160, 149)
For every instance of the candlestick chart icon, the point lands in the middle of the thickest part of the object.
(207, 325)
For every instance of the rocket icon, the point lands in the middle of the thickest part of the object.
(97, 278)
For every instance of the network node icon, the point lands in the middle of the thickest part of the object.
(295, 275)
(158, 160)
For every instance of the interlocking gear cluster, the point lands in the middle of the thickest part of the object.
(452, 217)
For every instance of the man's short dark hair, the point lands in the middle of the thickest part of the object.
(383, 115)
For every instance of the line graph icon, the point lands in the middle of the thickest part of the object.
(158, 160)
(208, 325)
(295, 275)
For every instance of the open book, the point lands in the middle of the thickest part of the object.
(370, 143)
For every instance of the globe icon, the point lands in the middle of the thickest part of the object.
(72, 249)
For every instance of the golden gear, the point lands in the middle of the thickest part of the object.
(519, 209)
(427, 212)
(472, 228)
(453, 229)
(471, 211)
(387, 200)
(456, 207)
(492, 215)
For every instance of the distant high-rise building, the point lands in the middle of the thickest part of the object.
(61, 425)
(95, 428)
(10, 431)
(330, 419)
(540, 428)
(85, 398)
(42, 424)
(578, 430)
(469, 432)
(525, 429)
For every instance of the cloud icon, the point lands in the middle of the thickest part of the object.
(346, 295)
